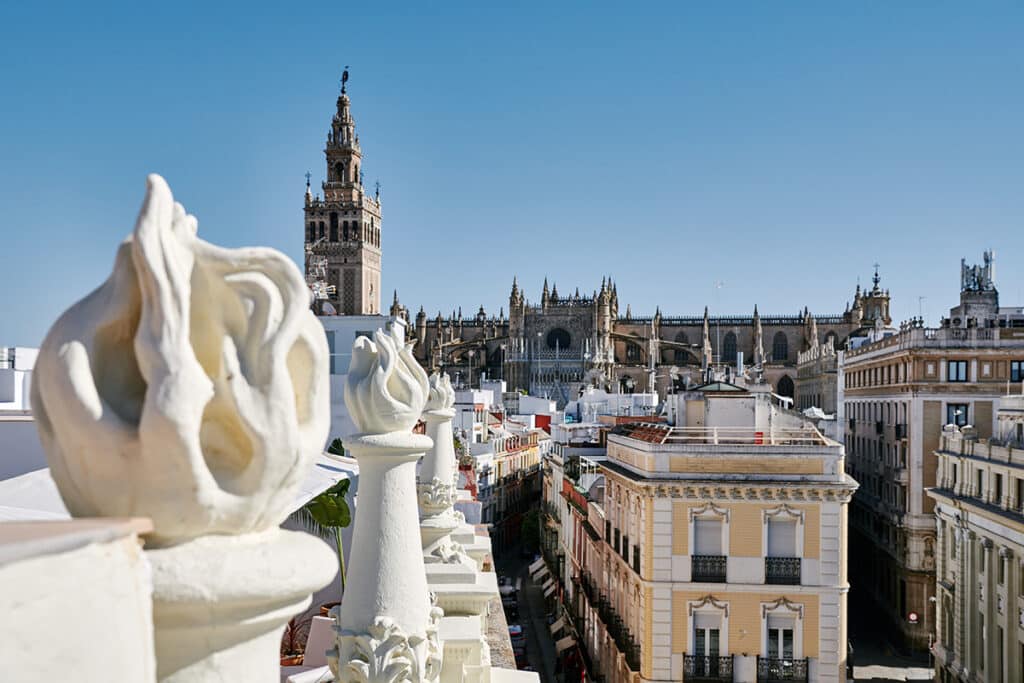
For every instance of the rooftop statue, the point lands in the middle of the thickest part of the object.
(387, 626)
(192, 388)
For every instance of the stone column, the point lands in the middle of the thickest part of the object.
(438, 478)
(192, 388)
(387, 628)
(1013, 578)
(988, 608)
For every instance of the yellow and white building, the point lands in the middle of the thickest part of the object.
(723, 549)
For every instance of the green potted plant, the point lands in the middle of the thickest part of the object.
(327, 514)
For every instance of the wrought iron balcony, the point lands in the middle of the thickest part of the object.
(708, 568)
(619, 632)
(700, 668)
(782, 570)
(776, 670)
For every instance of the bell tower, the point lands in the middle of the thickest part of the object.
(343, 225)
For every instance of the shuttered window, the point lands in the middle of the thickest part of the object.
(782, 538)
(707, 537)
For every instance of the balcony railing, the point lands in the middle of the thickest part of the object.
(700, 668)
(708, 568)
(619, 632)
(773, 670)
(782, 570)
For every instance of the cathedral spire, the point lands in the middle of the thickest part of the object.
(706, 341)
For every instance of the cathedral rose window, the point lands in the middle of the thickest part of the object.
(559, 338)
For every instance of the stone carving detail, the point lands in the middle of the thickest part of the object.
(448, 551)
(386, 654)
(708, 600)
(780, 604)
(191, 387)
(437, 493)
(441, 394)
(386, 387)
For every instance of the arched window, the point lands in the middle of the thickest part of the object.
(311, 232)
(729, 348)
(632, 352)
(344, 230)
(780, 348)
(321, 228)
(681, 355)
(785, 387)
(339, 171)
(334, 226)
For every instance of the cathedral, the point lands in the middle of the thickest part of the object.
(560, 343)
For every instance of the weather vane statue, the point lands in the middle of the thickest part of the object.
(344, 79)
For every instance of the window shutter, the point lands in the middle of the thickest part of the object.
(708, 537)
(781, 538)
(705, 620)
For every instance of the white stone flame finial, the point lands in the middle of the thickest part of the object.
(191, 387)
(442, 395)
(386, 388)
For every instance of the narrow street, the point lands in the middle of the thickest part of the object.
(540, 646)
(875, 659)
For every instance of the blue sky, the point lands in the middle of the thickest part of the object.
(781, 148)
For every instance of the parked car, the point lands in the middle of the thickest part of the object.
(517, 635)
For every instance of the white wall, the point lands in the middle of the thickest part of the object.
(535, 405)
(20, 450)
(76, 602)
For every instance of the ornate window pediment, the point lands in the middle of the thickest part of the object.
(784, 510)
(709, 509)
(782, 604)
(708, 601)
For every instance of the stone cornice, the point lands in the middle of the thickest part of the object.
(752, 491)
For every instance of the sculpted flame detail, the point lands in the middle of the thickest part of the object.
(442, 395)
(386, 388)
(191, 387)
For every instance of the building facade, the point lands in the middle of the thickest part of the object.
(343, 225)
(979, 512)
(714, 549)
(899, 391)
